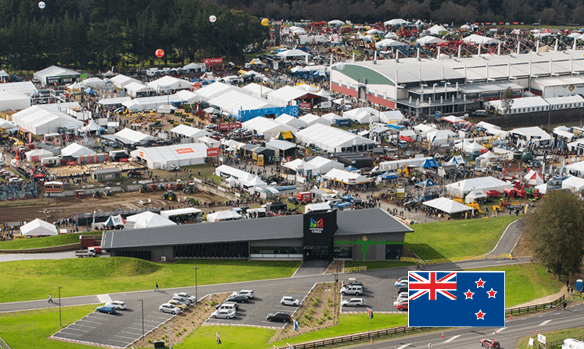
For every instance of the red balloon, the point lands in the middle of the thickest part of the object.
(159, 53)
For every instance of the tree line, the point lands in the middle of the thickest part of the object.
(558, 12)
(100, 34)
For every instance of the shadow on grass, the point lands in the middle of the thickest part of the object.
(424, 251)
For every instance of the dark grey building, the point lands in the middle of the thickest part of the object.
(106, 174)
(354, 235)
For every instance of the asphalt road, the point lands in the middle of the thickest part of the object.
(10, 257)
(508, 336)
(122, 329)
(510, 237)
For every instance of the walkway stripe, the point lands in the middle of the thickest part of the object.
(451, 339)
(545, 322)
(499, 330)
(405, 345)
(104, 298)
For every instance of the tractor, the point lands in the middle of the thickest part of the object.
(191, 201)
(145, 188)
(190, 189)
(169, 195)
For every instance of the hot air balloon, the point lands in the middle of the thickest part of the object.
(42, 5)
(212, 19)
(265, 22)
(159, 53)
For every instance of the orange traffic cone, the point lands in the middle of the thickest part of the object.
(495, 332)
(510, 316)
(442, 335)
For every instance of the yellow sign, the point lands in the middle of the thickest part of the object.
(261, 160)
(287, 135)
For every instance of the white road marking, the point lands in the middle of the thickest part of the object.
(499, 330)
(451, 339)
(104, 298)
(405, 345)
(545, 322)
(116, 335)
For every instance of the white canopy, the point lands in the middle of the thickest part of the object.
(438, 30)
(459, 189)
(294, 53)
(38, 227)
(447, 205)
(223, 216)
(362, 115)
(427, 40)
(389, 43)
(533, 178)
(480, 40)
(346, 177)
(474, 195)
(456, 160)
(488, 156)
(76, 150)
(169, 83)
(289, 120)
(469, 147)
(149, 219)
(396, 21)
(38, 154)
(574, 184)
(335, 22)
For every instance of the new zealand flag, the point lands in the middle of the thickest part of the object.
(456, 299)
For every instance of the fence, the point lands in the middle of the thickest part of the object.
(536, 307)
(455, 259)
(404, 329)
(558, 344)
(3, 344)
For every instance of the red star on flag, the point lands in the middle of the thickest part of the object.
(468, 294)
(480, 315)
(480, 283)
(492, 293)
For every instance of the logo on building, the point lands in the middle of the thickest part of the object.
(185, 150)
(316, 226)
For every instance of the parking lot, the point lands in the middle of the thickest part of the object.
(119, 329)
(379, 295)
(265, 302)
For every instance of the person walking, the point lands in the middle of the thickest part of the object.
(51, 298)
(565, 304)
(156, 289)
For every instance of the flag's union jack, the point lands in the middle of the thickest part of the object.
(432, 285)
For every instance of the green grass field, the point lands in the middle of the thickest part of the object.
(472, 237)
(526, 282)
(47, 241)
(378, 264)
(29, 280)
(30, 329)
(554, 336)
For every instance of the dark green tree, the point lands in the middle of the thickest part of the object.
(557, 232)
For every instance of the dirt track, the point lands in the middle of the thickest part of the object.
(28, 210)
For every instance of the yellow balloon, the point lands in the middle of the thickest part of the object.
(265, 22)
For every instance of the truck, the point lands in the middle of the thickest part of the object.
(572, 343)
(92, 251)
(305, 197)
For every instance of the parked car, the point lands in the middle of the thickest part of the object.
(402, 306)
(356, 290)
(238, 299)
(227, 303)
(248, 293)
(177, 304)
(402, 298)
(490, 343)
(228, 306)
(183, 300)
(353, 282)
(353, 302)
(223, 314)
(106, 309)
(399, 281)
(403, 283)
(119, 305)
(279, 316)
(287, 300)
(293, 200)
(173, 168)
(193, 299)
(169, 308)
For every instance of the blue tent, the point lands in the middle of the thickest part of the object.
(347, 197)
(430, 163)
(350, 168)
(389, 175)
(395, 127)
(426, 183)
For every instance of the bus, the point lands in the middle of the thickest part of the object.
(53, 187)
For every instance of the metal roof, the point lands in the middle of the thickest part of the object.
(369, 221)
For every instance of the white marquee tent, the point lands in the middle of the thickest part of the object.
(172, 155)
(76, 150)
(147, 219)
(533, 178)
(223, 216)
(266, 127)
(333, 139)
(14, 101)
(311, 119)
(169, 83)
(291, 121)
(39, 120)
(447, 205)
(38, 227)
(461, 188)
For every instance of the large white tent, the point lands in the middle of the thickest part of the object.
(38, 155)
(291, 121)
(266, 127)
(54, 73)
(76, 150)
(346, 177)
(468, 147)
(169, 83)
(223, 216)
(388, 43)
(232, 101)
(39, 120)
(14, 101)
(189, 132)
(147, 219)
(172, 155)
(215, 89)
(574, 184)
(287, 95)
(311, 119)
(294, 53)
(333, 139)
(23, 87)
(38, 227)
(363, 115)
(533, 178)
(447, 205)
(136, 89)
(396, 22)
(437, 29)
(480, 40)
(130, 137)
(461, 188)
(120, 81)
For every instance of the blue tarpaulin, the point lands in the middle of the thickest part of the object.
(425, 184)
(430, 163)
(350, 168)
(389, 175)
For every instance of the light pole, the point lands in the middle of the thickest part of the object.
(60, 319)
(141, 300)
(196, 285)
(335, 295)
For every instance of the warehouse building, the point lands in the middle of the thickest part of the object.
(172, 155)
(352, 235)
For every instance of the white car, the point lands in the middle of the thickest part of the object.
(286, 300)
(223, 314)
(193, 299)
(248, 293)
(402, 283)
(399, 281)
(353, 302)
(399, 300)
(169, 308)
(118, 304)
